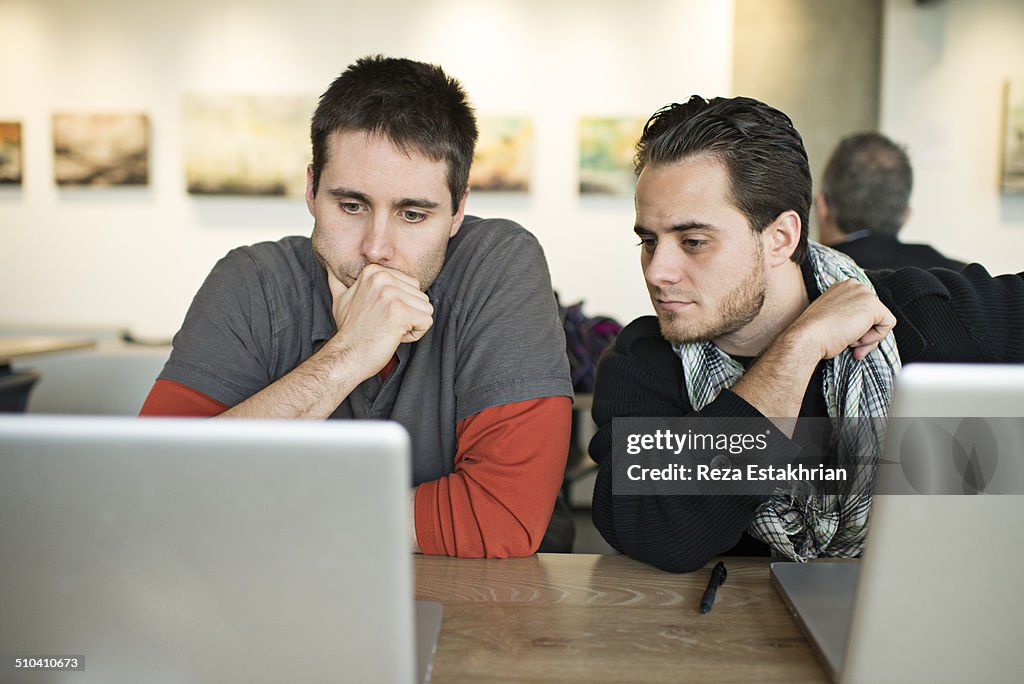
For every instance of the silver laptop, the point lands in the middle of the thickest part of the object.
(937, 596)
(184, 550)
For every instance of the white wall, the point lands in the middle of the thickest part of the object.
(942, 73)
(134, 257)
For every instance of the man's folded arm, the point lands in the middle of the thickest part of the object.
(170, 398)
(508, 471)
(674, 533)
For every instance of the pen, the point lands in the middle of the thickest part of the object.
(717, 579)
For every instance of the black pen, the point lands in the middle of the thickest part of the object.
(717, 579)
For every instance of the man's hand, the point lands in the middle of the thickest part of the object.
(848, 314)
(382, 309)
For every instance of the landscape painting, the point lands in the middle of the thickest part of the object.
(504, 155)
(1012, 172)
(606, 155)
(96, 150)
(10, 153)
(247, 144)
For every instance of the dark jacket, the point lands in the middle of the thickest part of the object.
(873, 252)
(942, 316)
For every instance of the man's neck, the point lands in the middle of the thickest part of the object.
(850, 237)
(831, 234)
(785, 299)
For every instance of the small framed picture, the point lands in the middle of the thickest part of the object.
(606, 155)
(1011, 177)
(504, 155)
(96, 150)
(10, 153)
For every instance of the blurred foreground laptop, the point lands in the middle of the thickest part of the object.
(180, 550)
(937, 596)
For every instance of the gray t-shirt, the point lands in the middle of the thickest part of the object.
(496, 337)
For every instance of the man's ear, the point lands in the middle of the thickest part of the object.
(821, 209)
(459, 215)
(310, 199)
(781, 237)
(906, 216)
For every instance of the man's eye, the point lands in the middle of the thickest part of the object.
(649, 244)
(351, 207)
(413, 216)
(695, 244)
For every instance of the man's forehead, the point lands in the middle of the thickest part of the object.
(372, 137)
(378, 142)
(372, 165)
(694, 191)
(704, 175)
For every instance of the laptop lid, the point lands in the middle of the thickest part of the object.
(939, 595)
(171, 550)
(936, 594)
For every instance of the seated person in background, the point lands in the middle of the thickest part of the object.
(399, 307)
(864, 201)
(753, 321)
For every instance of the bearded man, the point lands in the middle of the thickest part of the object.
(756, 322)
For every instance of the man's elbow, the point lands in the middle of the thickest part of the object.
(522, 549)
(678, 563)
(496, 541)
(670, 557)
(515, 544)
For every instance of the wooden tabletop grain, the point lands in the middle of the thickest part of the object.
(593, 618)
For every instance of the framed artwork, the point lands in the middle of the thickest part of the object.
(1011, 177)
(504, 155)
(100, 149)
(247, 144)
(10, 153)
(606, 154)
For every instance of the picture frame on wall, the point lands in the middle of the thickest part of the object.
(100, 149)
(504, 155)
(10, 153)
(606, 148)
(1011, 173)
(247, 145)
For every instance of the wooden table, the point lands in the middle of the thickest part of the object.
(592, 618)
(12, 346)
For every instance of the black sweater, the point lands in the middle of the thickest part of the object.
(942, 316)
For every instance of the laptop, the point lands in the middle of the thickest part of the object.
(186, 550)
(937, 596)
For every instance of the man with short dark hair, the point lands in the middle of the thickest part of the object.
(399, 307)
(754, 322)
(864, 202)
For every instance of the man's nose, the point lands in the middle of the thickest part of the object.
(663, 267)
(378, 242)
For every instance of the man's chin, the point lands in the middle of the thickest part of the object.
(673, 330)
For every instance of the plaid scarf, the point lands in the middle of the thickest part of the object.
(797, 521)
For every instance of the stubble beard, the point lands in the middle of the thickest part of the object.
(738, 309)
